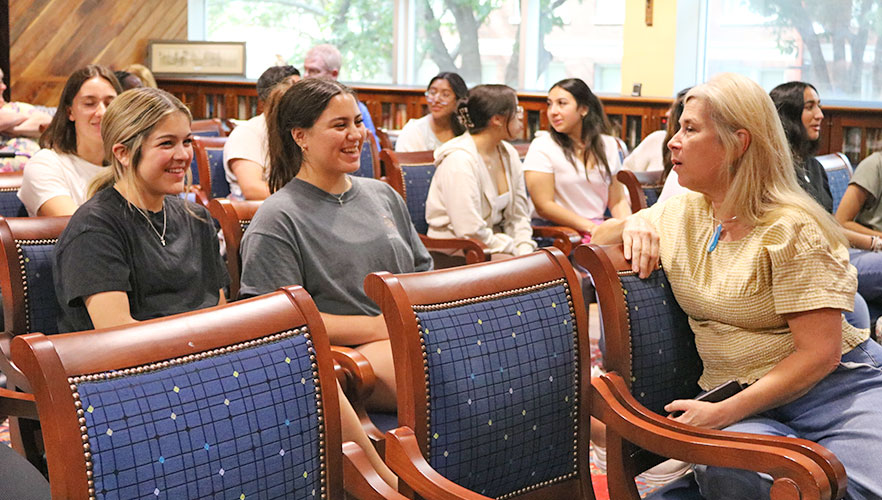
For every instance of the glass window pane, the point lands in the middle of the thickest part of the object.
(830, 44)
(279, 31)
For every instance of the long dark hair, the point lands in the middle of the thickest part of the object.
(674, 113)
(483, 103)
(61, 134)
(789, 99)
(460, 91)
(299, 107)
(594, 124)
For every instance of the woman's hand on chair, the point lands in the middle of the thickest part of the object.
(640, 240)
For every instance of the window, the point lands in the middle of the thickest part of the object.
(282, 31)
(832, 45)
(527, 44)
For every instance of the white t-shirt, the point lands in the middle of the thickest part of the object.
(647, 156)
(671, 188)
(49, 174)
(417, 135)
(586, 196)
(248, 141)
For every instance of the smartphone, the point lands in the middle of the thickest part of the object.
(721, 392)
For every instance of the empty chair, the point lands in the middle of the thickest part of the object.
(495, 397)
(235, 401)
(210, 127)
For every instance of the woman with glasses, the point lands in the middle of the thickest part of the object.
(441, 124)
(570, 172)
(478, 189)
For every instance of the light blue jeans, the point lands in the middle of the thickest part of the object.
(869, 268)
(842, 413)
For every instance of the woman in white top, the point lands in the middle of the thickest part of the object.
(441, 124)
(669, 177)
(57, 177)
(570, 172)
(478, 189)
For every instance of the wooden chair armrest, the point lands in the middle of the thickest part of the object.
(359, 384)
(360, 480)
(404, 458)
(199, 193)
(14, 377)
(17, 404)
(800, 469)
(565, 238)
(475, 251)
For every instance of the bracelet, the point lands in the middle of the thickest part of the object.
(875, 244)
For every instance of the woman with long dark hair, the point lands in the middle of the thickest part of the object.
(326, 230)
(570, 172)
(441, 124)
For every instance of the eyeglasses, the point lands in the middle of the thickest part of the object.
(442, 97)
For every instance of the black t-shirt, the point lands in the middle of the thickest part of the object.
(109, 246)
(813, 179)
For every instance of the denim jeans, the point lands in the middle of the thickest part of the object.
(842, 413)
(869, 268)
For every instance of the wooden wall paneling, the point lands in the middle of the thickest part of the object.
(52, 38)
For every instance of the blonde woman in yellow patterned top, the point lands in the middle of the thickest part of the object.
(762, 272)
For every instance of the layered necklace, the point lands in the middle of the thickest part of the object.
(159, 235)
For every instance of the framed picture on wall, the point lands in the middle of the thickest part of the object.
(192, 58)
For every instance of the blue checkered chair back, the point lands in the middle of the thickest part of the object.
(838, 179)
(366, 164)
(651, 193)
(238, 422)
(417, 179)
(502, 377)
(10, 205)
(35, 265)
(220, 188)
(664, 361)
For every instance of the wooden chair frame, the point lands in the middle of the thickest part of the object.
(50, 361)
(231, 214)
(636, 182)
(606, 264)
(203, 164)
(208, 125)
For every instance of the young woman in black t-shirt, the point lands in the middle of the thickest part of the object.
(135, 250)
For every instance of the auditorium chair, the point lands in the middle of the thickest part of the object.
(234, 217)
(10, 205)
(369, 166)
(210, 127)
(29, 305)
(650, 345)
(494, 391)
(839, 172)
(644, 188)
(233, 401)
(208, 154)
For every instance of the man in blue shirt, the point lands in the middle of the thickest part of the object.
(324, 61)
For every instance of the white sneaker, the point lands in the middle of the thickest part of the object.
(598, 456)
(666, 472)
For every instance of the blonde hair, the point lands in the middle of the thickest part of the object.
(129, 119)
(762, 181)
(143, 73)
